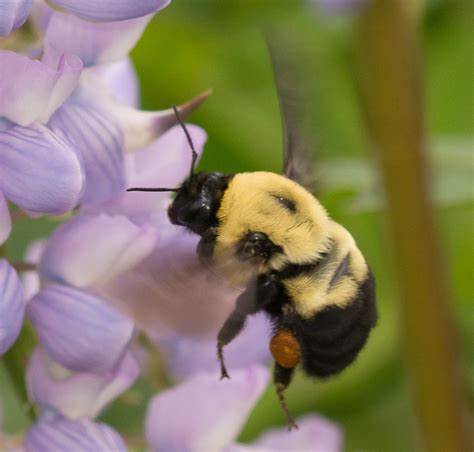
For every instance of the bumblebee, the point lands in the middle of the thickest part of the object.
(298, 266)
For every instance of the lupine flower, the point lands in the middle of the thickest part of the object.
(71, 323)
(12, 306)
(13, 15)
(71, 113)
(219, 413)
(15, 12)
(55, 433)
(111, 10)
(77, 395)
(61, 144)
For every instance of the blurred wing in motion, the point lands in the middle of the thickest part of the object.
(293, 88)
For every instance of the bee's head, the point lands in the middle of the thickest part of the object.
(197, 201)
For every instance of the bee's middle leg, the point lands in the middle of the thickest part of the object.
(259, 293)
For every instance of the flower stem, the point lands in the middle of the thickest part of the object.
(22, 266)
(392, 91)
(158, 376)
(15, 361)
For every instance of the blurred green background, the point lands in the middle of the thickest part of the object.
(194, 45)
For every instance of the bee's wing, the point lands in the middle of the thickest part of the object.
(293, 88)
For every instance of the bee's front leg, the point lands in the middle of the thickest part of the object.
(205, 247)
(257, 244)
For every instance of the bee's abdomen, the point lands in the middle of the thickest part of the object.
(333, 338)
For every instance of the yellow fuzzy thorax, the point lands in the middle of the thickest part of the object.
(250, 204)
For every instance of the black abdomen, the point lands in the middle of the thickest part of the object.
(333, 338)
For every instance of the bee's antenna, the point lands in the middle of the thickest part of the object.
(188, 137)
(152, 189)
(193, 161)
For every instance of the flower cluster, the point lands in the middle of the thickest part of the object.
(71, 137)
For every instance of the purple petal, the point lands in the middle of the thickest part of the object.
(91, 249)
(121, 79)
(98, 136)
(170, 281)
(73, 436)
(188, 355)
(203, 413)
(12, 306)
(165, 163)
(5, 219)
(315, 433)
(31, 90)
(77, 395)
(108, 10)
(141, 128)
(94, 43)
(39, 171)
(79, 330)
(13, 15)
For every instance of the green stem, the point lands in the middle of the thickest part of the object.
(158, 376)
(391, 89)
(15, 360)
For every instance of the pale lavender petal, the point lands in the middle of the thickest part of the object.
(31, 90)
(13, 14)
(141, 128)
(166, 163)
(77, 395)
(168, 283)
(121, 79)
(91, 249)
(79, 330)
(94, 43)
(109, 10)
(98, 136)
(62, 435)
(39, 170)
(12, 306)
(5, 219)
(315, 434)
(188, 355)
(203, 413)
(30, 279)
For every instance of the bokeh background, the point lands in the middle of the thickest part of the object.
(198, 44)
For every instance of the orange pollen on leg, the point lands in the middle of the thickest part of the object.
(285, 349)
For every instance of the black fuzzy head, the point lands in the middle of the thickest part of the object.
(198, 200)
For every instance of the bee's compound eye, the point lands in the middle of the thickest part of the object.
(285, 349)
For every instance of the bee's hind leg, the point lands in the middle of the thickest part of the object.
(281, 378)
